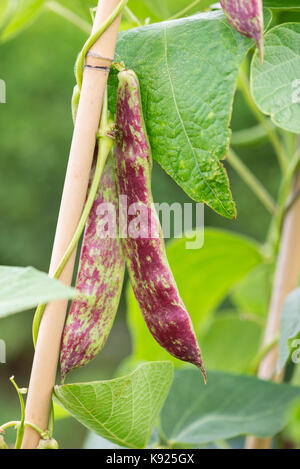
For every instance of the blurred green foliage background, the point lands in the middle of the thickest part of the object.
(36, 129)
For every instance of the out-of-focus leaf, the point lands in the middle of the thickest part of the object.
(230, 344)
(169, 8)
(7, 9)
(227, 406)
(292, 430)
(123, 410)
(204, 277)
(22, 288)
(251, 295)
(3, 10)
(282, 4)
(22, 13)
(59, 412)
(289, 339)
(276, 85)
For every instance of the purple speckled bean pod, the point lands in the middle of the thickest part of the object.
(100, 280)
(150, 274)
(246, 16)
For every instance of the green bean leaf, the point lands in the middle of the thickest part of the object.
(122, 410)
(22, 288)
(276, 85)
(228, 406)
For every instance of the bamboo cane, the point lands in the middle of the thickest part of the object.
(286, 280)
(44, 367)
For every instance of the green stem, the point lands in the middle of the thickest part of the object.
(293, 201)
(273, 137)
(93, 38)
(261, 354)
(131, 17)
(246, 137)
(283, 206)
(16, 423)
(185, 10)
(5, 426)
(105, 143)
(21, 426)
(43, 435)
(105, 146)
(70, 16)
(222, 444)
(253, 183)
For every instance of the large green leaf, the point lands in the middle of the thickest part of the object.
(23, 288)
(188, 70)
(204, 277)
(122, 410)
(229, 405)
(22, 13)
(276, 85)
(282, 4)
(230, 344)
(290, 328)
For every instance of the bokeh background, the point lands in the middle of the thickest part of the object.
(36, 129)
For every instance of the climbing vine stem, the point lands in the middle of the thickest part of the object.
(283, 202)
(105, 144)
(273, 137)
(252, 182)
(21, 425)
(93, 38)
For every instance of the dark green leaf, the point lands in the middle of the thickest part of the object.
(276, 85)
(229, 405)
(122, 410)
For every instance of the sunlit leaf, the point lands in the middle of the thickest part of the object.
(21, 14)
(122, 410)
(23, 288)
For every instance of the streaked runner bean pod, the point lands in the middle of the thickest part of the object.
(150, 275)
(100, 279)
(246, 16)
